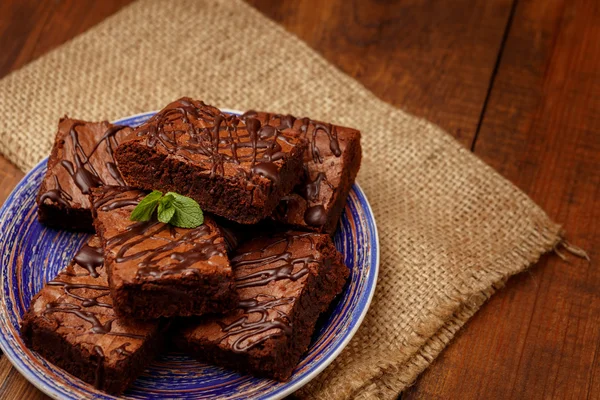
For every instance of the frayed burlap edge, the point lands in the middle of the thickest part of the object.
(431, 340)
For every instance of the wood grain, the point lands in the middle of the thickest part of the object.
(30, 28)
(539, 338)
(9, 177)
(433, 58)
(14, 386)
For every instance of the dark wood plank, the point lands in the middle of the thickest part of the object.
(20, 27)
(30, 28)
(9, 177)
(434, 58)
(539, 338)
(14, 386)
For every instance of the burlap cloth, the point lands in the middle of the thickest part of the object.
(451, 229)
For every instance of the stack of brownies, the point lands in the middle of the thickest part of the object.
(243, 290)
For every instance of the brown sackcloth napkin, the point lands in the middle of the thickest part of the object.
(451, 229)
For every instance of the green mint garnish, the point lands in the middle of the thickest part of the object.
(173, 209)
(166, 211)
(144, 210)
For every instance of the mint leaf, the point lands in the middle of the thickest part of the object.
(166, 209)
(187, 212)
(144, 210)
(173, 209)
(165, 202)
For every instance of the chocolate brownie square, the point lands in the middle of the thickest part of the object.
(232, 166)
(331, 163)
(156, 269)
(284, 282)
(82, 158)
(71, 323)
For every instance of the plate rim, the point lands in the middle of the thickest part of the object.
(286, 390)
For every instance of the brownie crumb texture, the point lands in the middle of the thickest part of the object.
(233, 166)
(82, 158)
(71, 323)
(284, 282)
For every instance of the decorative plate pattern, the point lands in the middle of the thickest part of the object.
(32, 254)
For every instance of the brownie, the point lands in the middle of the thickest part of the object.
(156, 269)
(284, 282)
(331, 163)
(71, 323)
(82, 158)
(231, 165)
(234, 233)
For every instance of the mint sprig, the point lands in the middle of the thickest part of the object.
(145, 208)
(172, 208)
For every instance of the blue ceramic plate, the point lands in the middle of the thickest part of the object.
(32, 254)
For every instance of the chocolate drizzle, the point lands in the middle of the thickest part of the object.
(90, 258)
(327, 129)
(315, 215)
(310, 130)
(120, 204)
(163, 260)
(111, 199)
(57, 195)
(77, 306)
(194, 130)
(268, 170)
(310, 189)
(122, 350)
(79, 167)
(181, 248)
(83, 172)
(99, 366)
(287, 264)
(281, 325)
(87, 316)
(85, 301)
(266, 265)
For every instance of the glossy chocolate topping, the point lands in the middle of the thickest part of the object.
(270, 274)
(56, 195)
(273, 264)
(122, 351)
(90, 258)
(251, 332)
(77, 304)
(222, 144)
(83, 158)
(323, 164)
(152, 250)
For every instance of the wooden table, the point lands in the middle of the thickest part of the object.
(517, 82)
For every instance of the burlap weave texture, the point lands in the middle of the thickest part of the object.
(451, 229)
